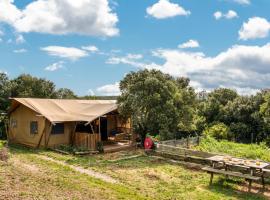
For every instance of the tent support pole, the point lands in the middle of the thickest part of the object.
(99, 128)
(72, 137)
(50, 130)
(43, 132)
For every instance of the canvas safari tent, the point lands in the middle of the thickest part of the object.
(53, 122)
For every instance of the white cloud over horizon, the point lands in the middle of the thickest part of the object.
(243, 68)
(109, 89)
(83, 17)
(165, 9)
(70, 53)
(255, 27)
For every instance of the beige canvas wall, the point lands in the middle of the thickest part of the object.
(56, 140)
(21, 132)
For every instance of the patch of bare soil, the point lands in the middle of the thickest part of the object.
(89, 172)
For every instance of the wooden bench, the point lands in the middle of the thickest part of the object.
(248, 177)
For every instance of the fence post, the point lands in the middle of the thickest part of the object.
(187, 142)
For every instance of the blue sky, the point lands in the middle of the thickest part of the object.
(89, 45)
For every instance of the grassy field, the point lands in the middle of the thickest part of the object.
(252, 151)
(1, 144)
(28, 176)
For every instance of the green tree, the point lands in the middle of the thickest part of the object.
(265, 107)
(65, 93)
(5, 89)
(157, 103)
(211, 107)
(26, 85)
(243, 116)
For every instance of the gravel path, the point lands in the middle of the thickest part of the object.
(89, 172)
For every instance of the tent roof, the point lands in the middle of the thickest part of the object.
(66, 110)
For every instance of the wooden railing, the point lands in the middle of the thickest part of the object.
(86, 140)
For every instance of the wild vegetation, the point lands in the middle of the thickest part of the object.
(249, 151)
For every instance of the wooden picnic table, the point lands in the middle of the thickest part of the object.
(252, 165)
(228, 162)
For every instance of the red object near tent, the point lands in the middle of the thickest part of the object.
(148, 143)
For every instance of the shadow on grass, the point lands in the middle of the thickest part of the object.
(228, 188)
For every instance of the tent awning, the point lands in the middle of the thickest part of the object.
(67, 110)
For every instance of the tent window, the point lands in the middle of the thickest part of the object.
(34, 127)
(58, 128)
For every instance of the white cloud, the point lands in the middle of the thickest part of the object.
(109, 90)
(131, 59)
(9, 13)
(87, 17)
(229, 15)
(134, 56)
(90, 48)
(244, 68)
(165, 9)
(189, 44)
(19, 39)
(256, 27)
(71, 53)
(20, 51)
(218, 15)
(243, 2)
(54, 66)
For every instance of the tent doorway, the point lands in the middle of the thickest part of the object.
(103, 128)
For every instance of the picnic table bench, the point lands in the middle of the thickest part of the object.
(251, 170)
(248, 177)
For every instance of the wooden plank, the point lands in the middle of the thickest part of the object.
(231, 173)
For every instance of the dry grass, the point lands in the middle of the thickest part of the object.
(26, 176)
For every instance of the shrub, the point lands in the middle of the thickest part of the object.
(249, 151)
(218, 131)
(100, 147)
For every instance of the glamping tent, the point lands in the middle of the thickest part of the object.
(52, 122)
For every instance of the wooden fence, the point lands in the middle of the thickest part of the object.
(185, 142)
(86, 140)
(181, 148)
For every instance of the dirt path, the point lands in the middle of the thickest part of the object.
(89, 172)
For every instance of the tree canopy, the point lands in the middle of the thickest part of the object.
(158, 103)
